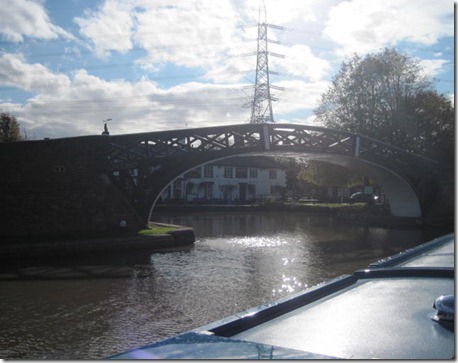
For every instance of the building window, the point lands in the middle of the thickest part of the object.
(228, 172)
(208, 171)
(241, 173)
(272, 174)
(253, 173)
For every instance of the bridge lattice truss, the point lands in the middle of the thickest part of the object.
(156, 148)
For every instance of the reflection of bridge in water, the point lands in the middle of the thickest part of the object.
(143, 164)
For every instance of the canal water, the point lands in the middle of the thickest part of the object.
(239, 260)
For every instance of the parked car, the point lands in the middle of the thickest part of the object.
(360, 197)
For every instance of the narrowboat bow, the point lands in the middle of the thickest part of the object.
(401, 307)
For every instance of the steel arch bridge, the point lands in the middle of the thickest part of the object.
(143, 164)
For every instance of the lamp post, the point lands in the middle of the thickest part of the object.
(105, 127)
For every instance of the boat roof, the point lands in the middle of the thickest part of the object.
(385, 312)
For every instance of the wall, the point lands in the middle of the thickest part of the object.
(60, 187)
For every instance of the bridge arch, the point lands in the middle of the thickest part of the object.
(150, 161)
(403, 200)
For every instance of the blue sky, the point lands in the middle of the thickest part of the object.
(151, 65)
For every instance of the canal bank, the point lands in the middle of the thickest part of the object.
(110, 250)
(359, 214)
(125, 247)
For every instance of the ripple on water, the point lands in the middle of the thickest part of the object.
(265, 256)
(258, 242)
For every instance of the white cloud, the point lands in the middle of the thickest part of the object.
(432, 67)
(27, 18)
(301, 119)
(298, 95)
(365, 26)
(282, 12)
(300, 62)
(234, 69)
(71, 106)
(201, 104)
(190, 34)
(31, 77)
(110, 28)
(198, 34)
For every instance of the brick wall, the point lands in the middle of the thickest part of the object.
(60, 187)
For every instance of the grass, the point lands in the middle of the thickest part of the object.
(156, 230)
(331, 205)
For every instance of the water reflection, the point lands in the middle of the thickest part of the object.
(290, 284)
(258, 242)
(25, 263)
(239, 261)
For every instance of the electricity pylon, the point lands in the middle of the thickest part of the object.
(261, 104)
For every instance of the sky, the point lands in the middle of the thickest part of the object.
(68, 66)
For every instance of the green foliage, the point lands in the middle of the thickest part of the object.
(433, 132)
(9, 128)
(326, 174)
(387, 97)
(292, 166)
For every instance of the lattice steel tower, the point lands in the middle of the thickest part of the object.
(261, 105)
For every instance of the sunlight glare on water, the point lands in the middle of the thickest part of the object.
(258, 242)
(290, 284)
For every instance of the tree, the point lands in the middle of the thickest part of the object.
(9, 128)
(386, 96)
(325, 174)
(433, 132)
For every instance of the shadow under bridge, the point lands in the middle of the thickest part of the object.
(143, 164)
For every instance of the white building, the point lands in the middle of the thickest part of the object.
(240, 179)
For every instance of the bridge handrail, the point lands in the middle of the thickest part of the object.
(364, 140)
(264, 136)
(361, 136)
(314, 128)
(398, 149)
(141, 135)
